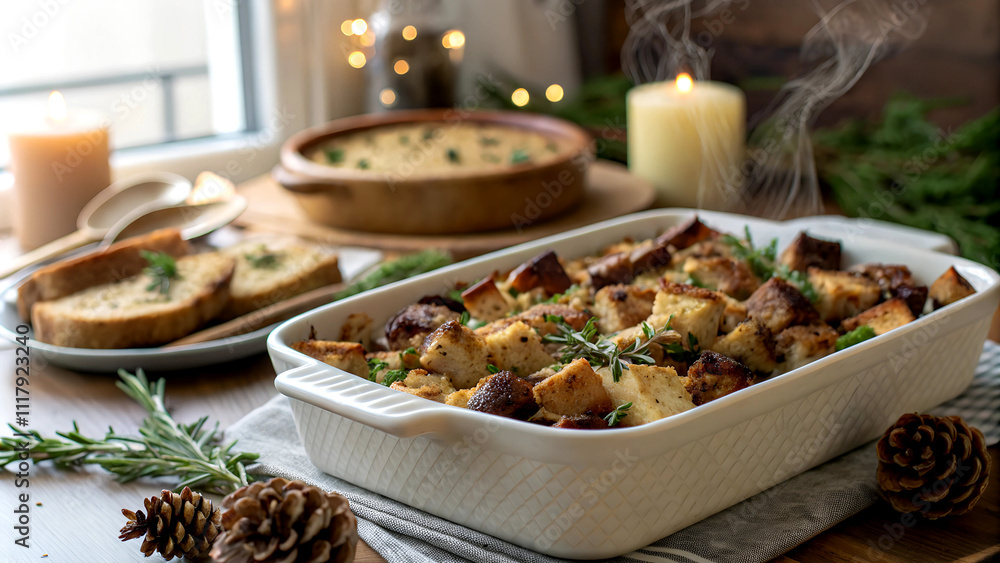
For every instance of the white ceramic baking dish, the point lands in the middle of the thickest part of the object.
(594, 494)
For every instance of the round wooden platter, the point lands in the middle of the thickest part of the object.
(611, 192)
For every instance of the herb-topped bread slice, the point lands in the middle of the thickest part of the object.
(273, 269)
(168, 300)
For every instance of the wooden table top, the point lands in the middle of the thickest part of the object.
(75, 515)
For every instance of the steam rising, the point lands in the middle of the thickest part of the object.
(779, 175)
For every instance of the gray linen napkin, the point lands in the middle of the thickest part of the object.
(801, 507)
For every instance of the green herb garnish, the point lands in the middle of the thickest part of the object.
(556, 297)
(799, 280)
(615, 416)
(396, 270)
(693, 280)
(597, 349)
(162, 268)
(492, 368)
(334, 156)
(464, 318)
(489, 141)
(189, 453)
(393, 376)
(428, 134)
(363, 164)
(376, 365)
(513, 292)
(491, 157)
(551, 147)
(518, 156)
(679, 353)
(404, 139)
(856, 336)
(452, 155)
(760, 260)
(264, 259)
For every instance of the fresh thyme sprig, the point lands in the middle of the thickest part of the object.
(190, 453)
(679, 353)
(763, 263)
(162, 268)
(597, 349)
(620, 412)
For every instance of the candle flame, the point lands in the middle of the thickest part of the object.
(57, 106)
(684, 82)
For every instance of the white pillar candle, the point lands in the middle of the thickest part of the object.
(687, 138)
(58, 166)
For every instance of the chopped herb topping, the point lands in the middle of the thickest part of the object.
(334, 156)
(558, 296)
(615, 416)
(393, 376)
(264, 259)
(375, 365)
(492, 368)
(464, 318)
(856, 336)
(518, 156)
(693, 280)
(162, 268)
(551, 147)
(489, 141)
(488, 157)
(363, 164)
(404, 139)
(428, 134)
(452, 155)
(679, 353)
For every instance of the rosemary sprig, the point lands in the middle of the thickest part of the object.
(190, 453)
(162, 268)
(597, 349)
(620, 412)
(395, 270)
(763, 263)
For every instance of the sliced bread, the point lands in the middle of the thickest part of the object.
(117, 262)
(269, 270)
(127, 314)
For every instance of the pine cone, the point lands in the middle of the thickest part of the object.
(175, 525)
(935, 465)
(281, 521)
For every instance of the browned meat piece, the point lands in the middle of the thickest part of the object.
(915, 297)
(543, 271)
(779, 304)
(348, 356)
(582, 422)
(713, 375)
(888, 276)
(806, 252)
(611, 269)
(949, 288)
(535, 318)
(448, 302)
(621, 306)
(484, 301)
(409, 327)
(882, 317)
(504, 394)
(686, 234)
(575, 390)
(732, 277)
(649, 256)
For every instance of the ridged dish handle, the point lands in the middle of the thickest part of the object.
(347, 395)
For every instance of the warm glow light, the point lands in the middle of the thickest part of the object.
(359, 26)
(387, 96)
(554, 93)
(409, 33)
(453, 39)
(684, 82)
(401, 67)
(368, 39)
(345, 27)
(357, 59)
(209, 187)
(57, 106)
(520, 97)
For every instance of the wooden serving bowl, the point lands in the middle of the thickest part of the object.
(461, 202)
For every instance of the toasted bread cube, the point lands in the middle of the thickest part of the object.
(949, 288)
(575, 390)
(695, 310)
(649, 257)
(842, 294)
(779, 304)
(611, 269)
(454, 350)
(348, 356)
(655, 392)
(888, 276)
(543, 271)
(732, 277)
(517, 348)
(504, 394)
(807, 252)
(751, 344)
(686, 234)
(357, 328)
(485, 302)
(802, 344)
(428, 386)
(620, 306)
(460, 398)
(734, 313)
(882, 318)
(535, 318)
(409, 327)
(713, 375)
